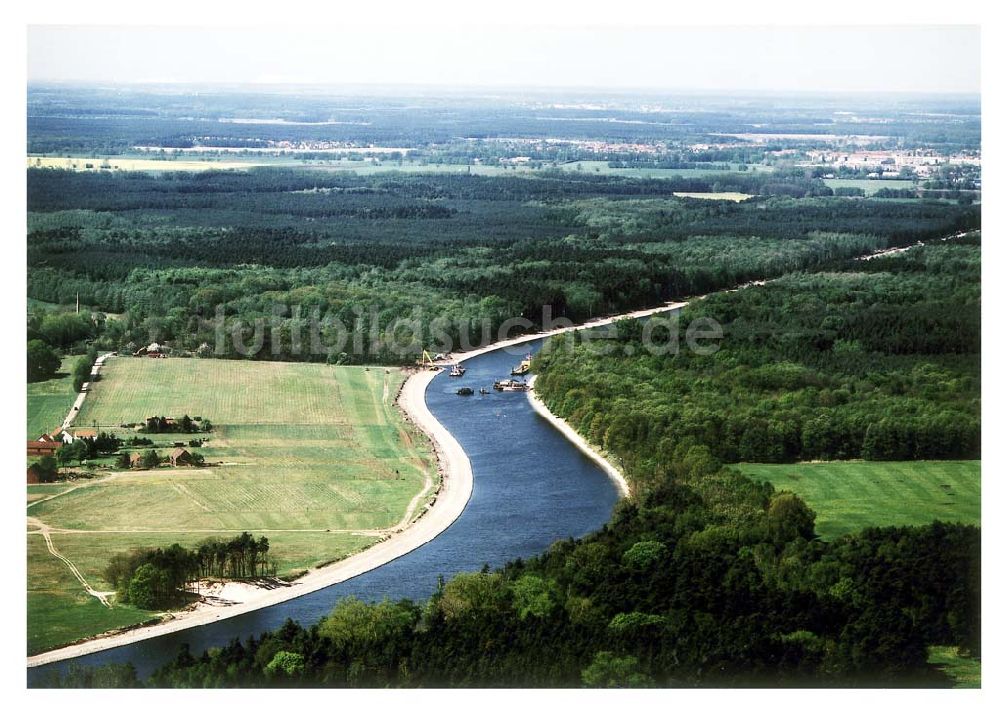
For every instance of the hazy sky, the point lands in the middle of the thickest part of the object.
(933, 59)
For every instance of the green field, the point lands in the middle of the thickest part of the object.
(201, 163)
(870, 186)
(305, 454)
(848, 496)
(726, 196)
(50, 401)
(966, 672)
(59, 611)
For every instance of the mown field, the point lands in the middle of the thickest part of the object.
(848, 496)
(59, 610)
(304, 454)
(50, 401)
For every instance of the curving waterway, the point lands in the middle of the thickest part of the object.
(532, 487)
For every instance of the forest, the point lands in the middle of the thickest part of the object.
(704, 577)
(878, 359)
(162, 258)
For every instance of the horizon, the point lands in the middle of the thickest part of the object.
(280, 87)
(753, 59)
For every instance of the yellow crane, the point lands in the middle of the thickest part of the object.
(427, 361)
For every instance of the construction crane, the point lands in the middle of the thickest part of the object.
(427, 361)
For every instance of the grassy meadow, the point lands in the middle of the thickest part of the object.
(850, 495)
(305, 454)
(59, 610)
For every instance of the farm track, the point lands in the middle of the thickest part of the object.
(73, 489)
(45, 530)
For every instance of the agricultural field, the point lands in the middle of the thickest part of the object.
(727, 196)
(99, 164)
(49, 401)
(870, 186)
(199, 163)
(59, 611)
(848, 496)
(305, 454)
(244, 162)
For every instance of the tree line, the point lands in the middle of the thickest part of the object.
(156, 578)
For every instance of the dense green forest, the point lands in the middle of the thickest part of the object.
(877, 360)
(703, 577)
(171, 254)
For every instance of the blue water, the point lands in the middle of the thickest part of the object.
(532, 487)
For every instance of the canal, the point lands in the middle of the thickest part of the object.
(532, 487)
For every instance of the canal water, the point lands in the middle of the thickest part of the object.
(532, 487)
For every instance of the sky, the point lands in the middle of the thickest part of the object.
(906, 59)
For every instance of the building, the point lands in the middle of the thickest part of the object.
(33, 478)
(135, 460)
(179, 456)
(40, 448)
(81, 433)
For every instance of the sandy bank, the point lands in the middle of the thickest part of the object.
(530, 337)
(580, 442)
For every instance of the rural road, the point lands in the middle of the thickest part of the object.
(78, 403)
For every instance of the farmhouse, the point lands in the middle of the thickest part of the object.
(79, 434)
(179, 456)
(37, 448)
